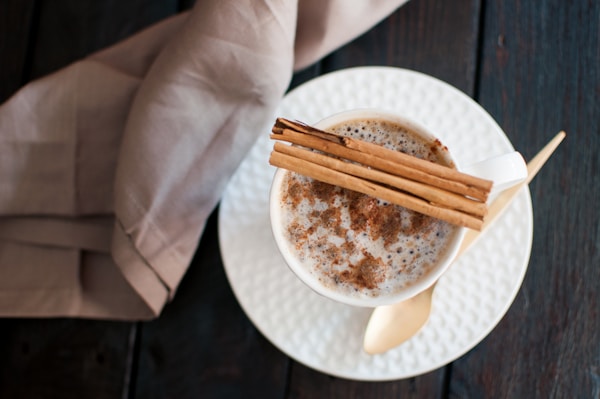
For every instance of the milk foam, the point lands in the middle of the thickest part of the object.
(356, 244)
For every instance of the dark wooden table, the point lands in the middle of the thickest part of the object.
(535, 67)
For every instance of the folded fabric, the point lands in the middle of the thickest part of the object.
(110, 167)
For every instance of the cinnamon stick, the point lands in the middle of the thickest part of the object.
(384, 164)
(282, 124)
(331, 176)
(433, 195)
(434, 190)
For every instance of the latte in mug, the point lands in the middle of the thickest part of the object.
(354, 245)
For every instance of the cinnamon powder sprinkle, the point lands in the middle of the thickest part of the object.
(367, 217)
(359, 244)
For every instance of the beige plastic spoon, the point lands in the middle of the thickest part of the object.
(389, 326)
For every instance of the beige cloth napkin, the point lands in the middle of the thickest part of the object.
(110, 167)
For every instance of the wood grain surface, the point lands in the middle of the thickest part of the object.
(534, 66)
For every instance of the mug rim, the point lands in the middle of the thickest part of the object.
(302, 272)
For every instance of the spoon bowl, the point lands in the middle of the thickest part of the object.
(393, 324)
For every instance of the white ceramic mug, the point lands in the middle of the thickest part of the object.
(505, 171)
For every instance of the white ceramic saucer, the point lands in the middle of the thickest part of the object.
(469, 300)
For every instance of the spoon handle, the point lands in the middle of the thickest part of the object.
(389, 326)
(500, 203)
